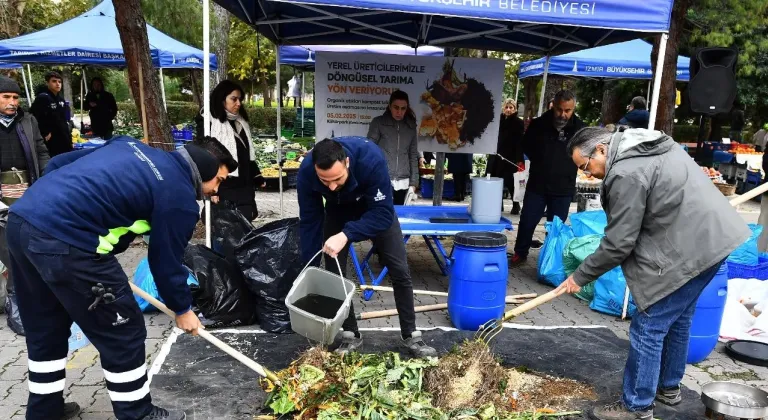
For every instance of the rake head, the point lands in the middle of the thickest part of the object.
(489, 330)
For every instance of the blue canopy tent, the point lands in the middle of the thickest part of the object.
(16, 66)
(304, 55)
(93, 39)
(548, 27)
(624, 60)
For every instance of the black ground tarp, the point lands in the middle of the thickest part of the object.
(208, 384)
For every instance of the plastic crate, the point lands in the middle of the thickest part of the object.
(741, 271)
(754, 177)
(428, 185)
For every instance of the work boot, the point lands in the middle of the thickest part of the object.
(536, 244)
(71, 410)
(158, 413)
(418, 347)
(515, 208)
(669, 397)
(349, 342)
(617, 411)
(517, 260)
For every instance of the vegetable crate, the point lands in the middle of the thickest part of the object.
(428, 186)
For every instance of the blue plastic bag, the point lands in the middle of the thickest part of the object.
(609, 294)
(77, 338)
(142, 278)
(589, 223)
(551, 268)
(747, 253)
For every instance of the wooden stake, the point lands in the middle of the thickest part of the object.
(144, 140)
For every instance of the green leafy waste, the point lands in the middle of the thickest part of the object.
(327, 386)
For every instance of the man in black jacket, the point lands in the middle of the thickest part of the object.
(552, 179)
(50, 110)
(102, 109)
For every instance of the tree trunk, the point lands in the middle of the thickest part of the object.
(66, 89)
(665, 116)
(133, 35)
(196, 88)
(611, 111)
(11, 13)
(530, 87)
(220, 34)
(266, 89)
(556, 84)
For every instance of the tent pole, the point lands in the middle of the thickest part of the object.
(31, 85)
(26, 86)
(207, 101)
(82, 113)
(162, 88)
(302, 104)
(657, 80)
(517, 90)
(544, 85)
(278, 127)
(85, 81)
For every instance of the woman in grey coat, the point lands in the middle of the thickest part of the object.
(395, 133)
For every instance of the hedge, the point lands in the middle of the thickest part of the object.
(262, 120)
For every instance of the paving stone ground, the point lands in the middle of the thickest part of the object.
(85, 381)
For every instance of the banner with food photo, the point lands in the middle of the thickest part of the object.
(456, 100)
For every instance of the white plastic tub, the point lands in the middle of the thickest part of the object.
(320, 282)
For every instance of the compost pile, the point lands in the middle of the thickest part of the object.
(468, 383)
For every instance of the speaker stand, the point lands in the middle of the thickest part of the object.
(701, 138)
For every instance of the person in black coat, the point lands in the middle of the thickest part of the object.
(460, 165)
(50, 110)
(552, 178)
(510, 147)
(102, 109)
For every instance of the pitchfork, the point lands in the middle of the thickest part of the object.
(492, 328)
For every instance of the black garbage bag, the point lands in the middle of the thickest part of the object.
(221, 297)
(270, 260)
(228, 228)
(10, 306)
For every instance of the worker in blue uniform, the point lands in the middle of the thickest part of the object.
(63, 235)
(351, 174)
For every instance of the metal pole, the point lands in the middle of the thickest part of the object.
(26, 86)
(657, 80)
(82, 112)
(162, 89)
(31, 85)
(302, 105)
(85, 81)
(279, 128)
(207, 101)
(517, 91)
(544, 85)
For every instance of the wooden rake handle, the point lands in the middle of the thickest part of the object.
(226, 348)
(527, 306)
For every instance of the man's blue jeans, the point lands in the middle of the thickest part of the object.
(658, 340)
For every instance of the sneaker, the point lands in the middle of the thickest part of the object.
(418, 347)
(158, 413)
(536, 244)
(515, 209)
(349, 342)
(517, 260)
(669, 397)
(617, 411)
(71, 410)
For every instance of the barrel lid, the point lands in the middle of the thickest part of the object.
(747, 351)
(480, 239)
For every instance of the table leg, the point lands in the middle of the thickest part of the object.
(446, 258)
(375, 280)
(356, 264)
(440, 263)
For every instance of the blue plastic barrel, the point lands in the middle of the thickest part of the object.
(478, 279)
(705, 328)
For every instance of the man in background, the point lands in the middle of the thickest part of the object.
(102, 109)
(50, 110)
(552, 178)
(638, 114)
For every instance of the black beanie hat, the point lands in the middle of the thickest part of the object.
(8, 85)
(207, 164)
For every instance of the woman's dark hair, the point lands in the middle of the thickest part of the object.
(399, 95)
(326, 153)
(219, 96)
(218, 150)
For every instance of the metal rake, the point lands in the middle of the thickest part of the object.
(492, 328)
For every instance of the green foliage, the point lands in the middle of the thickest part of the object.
(262, 120)
(179, 19)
